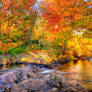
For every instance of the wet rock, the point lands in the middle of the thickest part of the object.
(31, 79)
(35, 65)
(47, 84)
(36, 85)
(30, 84)
(16, 76)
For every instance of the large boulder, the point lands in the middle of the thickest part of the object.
(15, 76)
(36, 57)
(30, 57)
(33, 79)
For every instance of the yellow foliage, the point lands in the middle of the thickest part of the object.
(4, 25)
(5, 28)
(80, 46)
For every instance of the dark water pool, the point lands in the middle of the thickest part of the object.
(6, 67)
(80, 72)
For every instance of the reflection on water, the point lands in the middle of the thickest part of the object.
(5, 67)
(80, 72)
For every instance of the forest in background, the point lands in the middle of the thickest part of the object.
(61, 28)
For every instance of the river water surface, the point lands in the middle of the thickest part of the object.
(80, 72)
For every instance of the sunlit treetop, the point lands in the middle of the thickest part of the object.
(65, 12)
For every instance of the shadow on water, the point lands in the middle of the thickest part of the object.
(80, 72)
(6, 67)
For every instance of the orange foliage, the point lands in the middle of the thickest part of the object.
(12, 24)
(64, 12)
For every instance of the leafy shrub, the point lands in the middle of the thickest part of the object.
(18, 50)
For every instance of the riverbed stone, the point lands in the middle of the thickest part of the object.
(15, 76)
(30, 79)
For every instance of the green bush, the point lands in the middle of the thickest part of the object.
(18, 50)
(1, 53)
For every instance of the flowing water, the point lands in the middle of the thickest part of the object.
(80, 72)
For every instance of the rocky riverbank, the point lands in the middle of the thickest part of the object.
(36, 79)
(33, 57)
(38, 75)
(30, 57)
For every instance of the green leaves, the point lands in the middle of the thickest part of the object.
(1, 13)
(14, 51)
(27, 17)
(32, 21)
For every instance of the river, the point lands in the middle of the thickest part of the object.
(80, 72)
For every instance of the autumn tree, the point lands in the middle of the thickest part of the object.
(65, 16)
(65, 12)
(16, 22)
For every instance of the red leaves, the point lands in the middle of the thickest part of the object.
(32, 2)
(17, 4)
(63, 12)
(52, 18)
